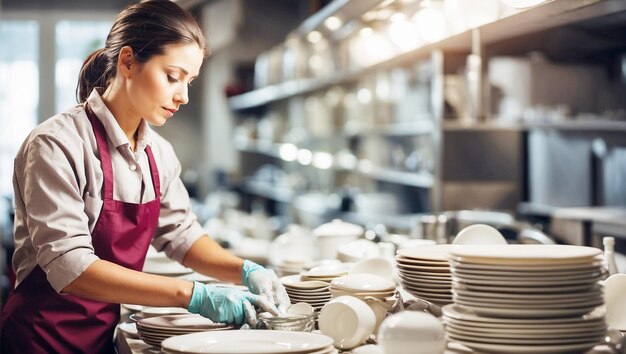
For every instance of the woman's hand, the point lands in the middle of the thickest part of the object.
(227, 305)
(265, 283)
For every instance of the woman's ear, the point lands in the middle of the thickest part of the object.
(125, 61)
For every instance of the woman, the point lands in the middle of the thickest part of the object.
(94, 186)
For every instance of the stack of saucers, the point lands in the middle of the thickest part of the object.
(526, 298)
(314, 292)
(326, 272)
(154, 330)
(425, 272)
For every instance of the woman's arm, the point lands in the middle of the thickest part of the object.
(109, 282)
(207, 257)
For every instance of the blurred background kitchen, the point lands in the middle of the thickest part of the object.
(411, 118)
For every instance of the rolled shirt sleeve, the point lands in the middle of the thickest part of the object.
(53, 210)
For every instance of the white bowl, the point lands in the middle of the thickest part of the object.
(411, 332)
(362, 283)
(357, 250)
(479, 234)
(347, 320)
(376, 266)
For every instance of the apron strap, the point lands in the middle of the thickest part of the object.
(103, 148)
(154, 172)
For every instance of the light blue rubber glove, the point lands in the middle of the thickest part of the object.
(226, 305)
(264, 282)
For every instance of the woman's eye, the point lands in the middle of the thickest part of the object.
(171, 78)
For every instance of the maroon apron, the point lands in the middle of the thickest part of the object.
(36, 319)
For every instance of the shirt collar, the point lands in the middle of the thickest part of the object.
(113, 130)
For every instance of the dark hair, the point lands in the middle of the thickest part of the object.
(147, 27)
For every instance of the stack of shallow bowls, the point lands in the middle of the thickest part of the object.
(249, 342)
(154, 330)
(425, 272)
(526, 298)
(314, 292)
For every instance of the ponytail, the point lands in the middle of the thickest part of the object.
(147, 27)
(95, 72)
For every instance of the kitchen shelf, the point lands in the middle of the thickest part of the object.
(586, 125)
(572, 125)
(362, 167)
(268, 191)
(543, 17)
(420, 126)
(413, 179)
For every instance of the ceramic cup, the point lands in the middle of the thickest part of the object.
(348, 320)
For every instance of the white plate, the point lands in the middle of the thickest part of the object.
(325, 350)
(148, 311)
(324, 291)
(422, 262)
(465, 264)
(587, 271)
(530, 349)
(529, 312)
(526, 277)
(455, 335)
(520, 4)
(244, 342)
(479, 234)
(426, 285)
(444, 270)
(425, 279)
(587, 294)
(180, 322)
(520, 282)
(311, 298)
(129, 328)
(526, 254)
(165, 268)
(462, 313)
(133, 308)
(428, 252)
(522, 289)
(517, 303)
(526, 333)
(295, 281)
(581, 326)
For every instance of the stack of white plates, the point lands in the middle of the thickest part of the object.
(156, 329)
(425, 272)
(315, 293)
(536, 296)
(247, 342)
(523, 335)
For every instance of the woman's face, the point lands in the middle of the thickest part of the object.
(160, 86)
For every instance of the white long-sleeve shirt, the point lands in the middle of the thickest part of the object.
(58, 192)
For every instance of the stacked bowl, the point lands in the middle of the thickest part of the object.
(314, 292)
